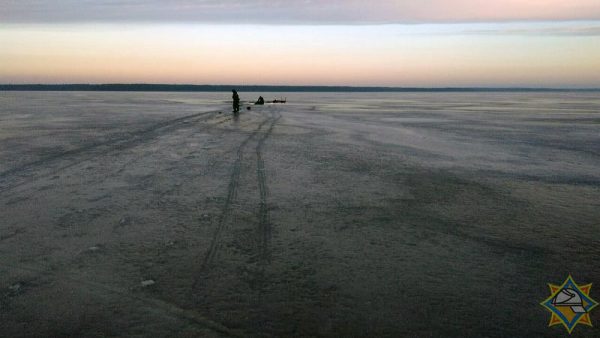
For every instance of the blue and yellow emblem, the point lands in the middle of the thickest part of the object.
(570, 304)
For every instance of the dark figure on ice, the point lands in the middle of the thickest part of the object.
(260, 101)
(236, 101)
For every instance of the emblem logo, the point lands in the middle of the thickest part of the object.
(570, 304)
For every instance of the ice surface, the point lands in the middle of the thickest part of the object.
(363, 214)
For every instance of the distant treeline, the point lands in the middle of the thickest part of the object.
(246, 88)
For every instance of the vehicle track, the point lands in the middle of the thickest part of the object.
(118, 143)
(264, 230)
(264, 221)
(94, 145)
(219, 135)
(231, 195)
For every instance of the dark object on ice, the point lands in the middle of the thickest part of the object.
(236, 101)
(249, 108)
(280, 100)
(260, 101)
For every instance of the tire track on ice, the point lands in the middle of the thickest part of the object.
(117, 143)
(264, 221)
(215, 243)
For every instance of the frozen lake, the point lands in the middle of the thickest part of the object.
(336, 214)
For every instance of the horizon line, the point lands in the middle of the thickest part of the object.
(166, 87)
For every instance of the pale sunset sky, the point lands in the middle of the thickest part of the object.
(406, 43)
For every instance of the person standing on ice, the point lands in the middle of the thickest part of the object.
(236, 101)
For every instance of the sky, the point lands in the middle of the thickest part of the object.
(405, 43)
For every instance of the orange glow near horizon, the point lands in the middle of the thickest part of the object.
(387, 55)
